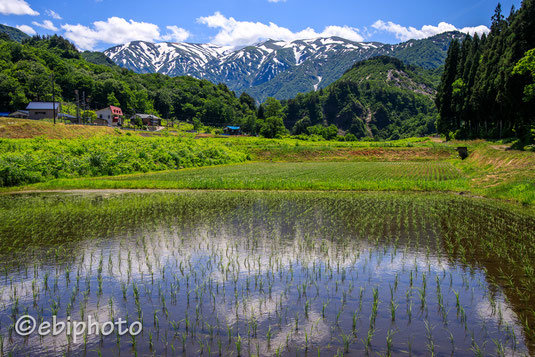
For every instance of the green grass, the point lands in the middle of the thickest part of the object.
(281, 164)
(502, 174)
(395, 176)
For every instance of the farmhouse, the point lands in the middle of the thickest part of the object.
(110, 116)
(42, 110)
(149, 119)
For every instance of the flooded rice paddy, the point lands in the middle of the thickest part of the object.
(234, 273)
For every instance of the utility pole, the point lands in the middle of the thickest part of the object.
(77, 105)
(53, 97)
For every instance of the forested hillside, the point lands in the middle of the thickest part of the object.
(380, 97)
(487, 89)
(12, 33)
(26, 75)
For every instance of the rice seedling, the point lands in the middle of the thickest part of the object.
(281, 273)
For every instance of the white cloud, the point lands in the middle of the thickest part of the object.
(47, 25)
(240, 33)
(406, 33)
(480, 30)
(53, 14)
(177, 34)
(27, 29)
(16, 7)
(114, 30)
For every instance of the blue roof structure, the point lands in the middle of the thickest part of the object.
(234, 127)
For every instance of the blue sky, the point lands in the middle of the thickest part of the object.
(99, 24)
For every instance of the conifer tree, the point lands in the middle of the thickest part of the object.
(446, 121)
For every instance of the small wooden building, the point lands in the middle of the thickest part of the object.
(149, 119)
(232, 130)
(43, 110)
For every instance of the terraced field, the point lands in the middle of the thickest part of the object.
(428, 175)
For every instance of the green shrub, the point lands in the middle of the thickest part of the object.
(25, 161)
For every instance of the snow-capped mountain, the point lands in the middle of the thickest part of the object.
(272, 68)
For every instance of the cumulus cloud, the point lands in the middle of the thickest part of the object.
(177, 34)
(16, 7)
(53, 14)
(114, 30)
(406, 33)
(240, 33)
(47, 25)
(27, 29)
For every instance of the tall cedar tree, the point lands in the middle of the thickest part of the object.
(480, 94)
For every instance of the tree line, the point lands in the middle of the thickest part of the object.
(486, 89)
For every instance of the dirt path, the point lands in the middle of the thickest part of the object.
(500, 147)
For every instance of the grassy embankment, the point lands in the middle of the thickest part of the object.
(417, 164)
(25, 129)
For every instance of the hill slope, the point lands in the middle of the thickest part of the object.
(14, 33)
(97, 58)
(380, 97)
(24, 128)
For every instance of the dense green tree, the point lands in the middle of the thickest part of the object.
(272, 108)
(273, 127)
(446, 122)
(301, 126)
(260, 113)
(382, 91)
(163, 102)
(488, 93)
(11, 94)
(358, 128)
(526, 66)
(247, 100)
(111, 100)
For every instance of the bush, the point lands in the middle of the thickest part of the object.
(25, 161)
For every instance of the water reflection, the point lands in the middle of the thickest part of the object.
(264, 274)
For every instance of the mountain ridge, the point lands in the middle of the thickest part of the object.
(274, 68)
(14, 33)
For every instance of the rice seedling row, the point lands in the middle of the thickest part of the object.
(227, 273)
(431, 175)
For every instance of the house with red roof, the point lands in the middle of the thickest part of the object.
(111, 116)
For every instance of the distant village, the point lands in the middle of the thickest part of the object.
(109, 116)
